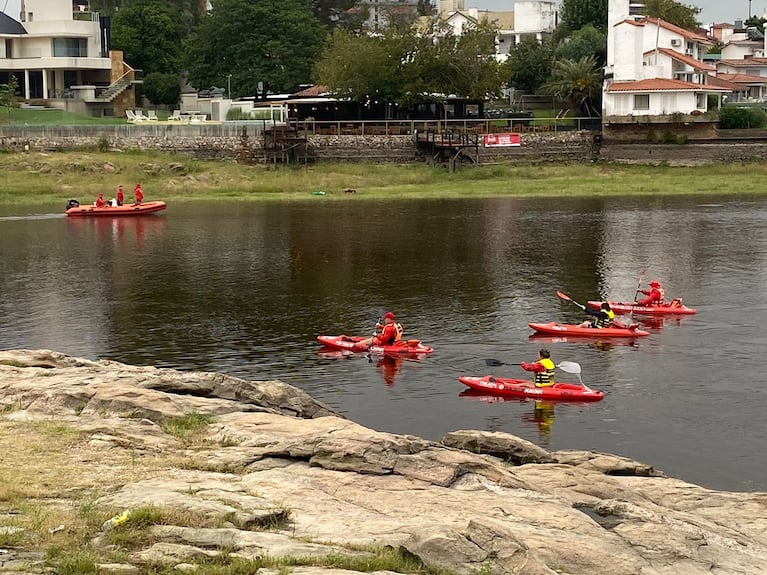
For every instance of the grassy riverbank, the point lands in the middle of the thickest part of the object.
(40, 178)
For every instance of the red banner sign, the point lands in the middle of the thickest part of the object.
(499, 140)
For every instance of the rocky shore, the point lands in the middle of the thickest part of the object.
(113, 468)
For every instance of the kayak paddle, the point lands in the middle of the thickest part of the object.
(497, 363)
(639, 285)
(568, 298)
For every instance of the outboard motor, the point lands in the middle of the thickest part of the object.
(73, 204)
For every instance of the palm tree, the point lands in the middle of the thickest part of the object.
(578, 81)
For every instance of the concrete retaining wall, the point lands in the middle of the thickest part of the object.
(244, 143)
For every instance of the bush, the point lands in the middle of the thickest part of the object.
(740, 118)
(162, 88)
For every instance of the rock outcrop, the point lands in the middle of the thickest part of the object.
(278, 474)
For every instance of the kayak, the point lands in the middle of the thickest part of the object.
(352, 343)
(525, 388)
(554, 328)
(124, 210)
(673, 308)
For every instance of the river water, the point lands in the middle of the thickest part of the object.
(244, 288)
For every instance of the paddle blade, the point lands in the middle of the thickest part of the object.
(494, 363)
(563, 296)
(569, 366)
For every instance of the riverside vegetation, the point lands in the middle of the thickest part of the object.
(53, 177)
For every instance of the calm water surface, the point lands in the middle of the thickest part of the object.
(245, 288)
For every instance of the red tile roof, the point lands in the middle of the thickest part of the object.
(677, 30)
(744, 62)
(311, 91)
(722, 83)
(743, 78)
(684, 58)
(662, 85)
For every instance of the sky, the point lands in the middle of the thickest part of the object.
(713, 11)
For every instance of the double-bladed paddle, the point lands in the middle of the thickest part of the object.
(566, 366)
(568, 298)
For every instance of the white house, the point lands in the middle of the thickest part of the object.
(653, 67)
(59, 52)
(530, 19)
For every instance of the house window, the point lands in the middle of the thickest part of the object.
(641, 101)
(70, 47)
(8, 48)
(700, 101)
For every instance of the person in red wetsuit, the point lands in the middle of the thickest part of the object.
(120, 196)
(542, 368)
(390, 332)
(655, 295)
(139, 195)
(100, 201)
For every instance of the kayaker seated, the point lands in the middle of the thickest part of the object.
(542, 368)
(655, 295)
(387, 333)
(100, 201)
(603, 317)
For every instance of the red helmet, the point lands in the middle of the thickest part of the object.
(654, 283)
(388, 315)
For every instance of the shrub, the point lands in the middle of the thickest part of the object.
(740, 118)
(162, 88)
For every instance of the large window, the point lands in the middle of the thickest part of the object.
(641, 101)
(70, 47)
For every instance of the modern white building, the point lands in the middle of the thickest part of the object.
(59, 53)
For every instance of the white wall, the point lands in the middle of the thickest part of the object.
(627, 62)
(532, 17)
(47, 10)
(622, 104)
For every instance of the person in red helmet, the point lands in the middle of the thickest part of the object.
(655, 295)
(390, 332)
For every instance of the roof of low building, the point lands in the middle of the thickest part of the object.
(694, 63)
(743, 78)
(10, 26)
(690, 35)
(743, 62)
(662, 85)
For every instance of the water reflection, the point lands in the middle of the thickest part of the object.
(244, 288)
(601, 343)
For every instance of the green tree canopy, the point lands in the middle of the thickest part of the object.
(576, 14)
(405, 66)
(756, 22)
(529, 64)
(588, 41)
(577, 81)
(149, 33)
(269, 41)
(673, 12)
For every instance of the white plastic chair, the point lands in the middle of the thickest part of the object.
(151, 115)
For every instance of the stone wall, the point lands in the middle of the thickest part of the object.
(244, 143)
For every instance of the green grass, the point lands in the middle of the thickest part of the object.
(33, 117)
(51, 178)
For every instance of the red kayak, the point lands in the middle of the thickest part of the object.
(351, 343)
(525, 388)
(673, 308)
(554, 328)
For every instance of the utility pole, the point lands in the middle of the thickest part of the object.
(749, 9)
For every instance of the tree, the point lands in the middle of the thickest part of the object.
(273, 42)
(376, 70)
(405, 66)
(529, 64)
(578, 81)
(149, 34)
(576, 14)
(587, 41)
(162, 88)
(8, 93)
(756, 22)
(673, 12)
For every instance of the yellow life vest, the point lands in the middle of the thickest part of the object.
(605, 322)
(544, 378)
(400, 331)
